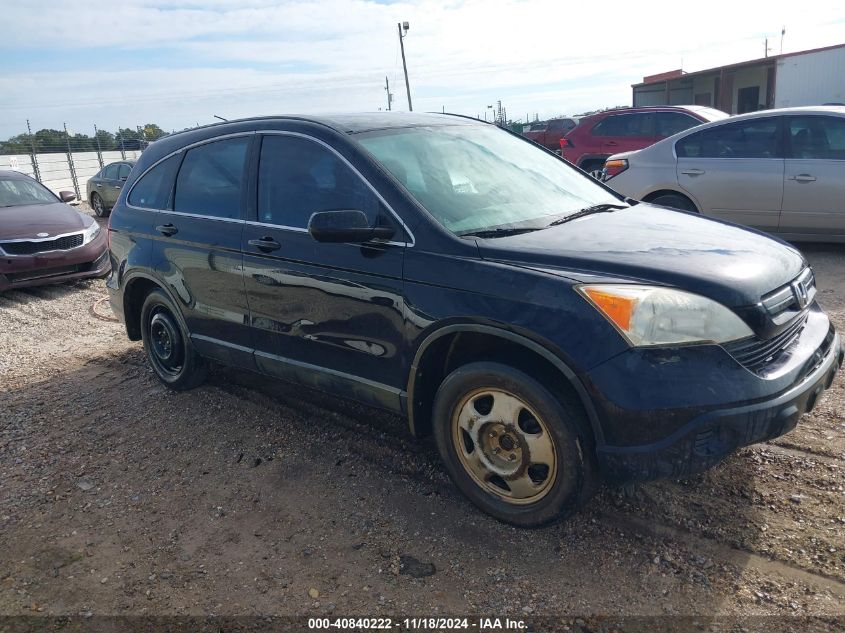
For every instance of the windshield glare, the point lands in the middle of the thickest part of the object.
(475, 177)
(15, 192)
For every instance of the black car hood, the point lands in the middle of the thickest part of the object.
(29, 220)
(725, 262)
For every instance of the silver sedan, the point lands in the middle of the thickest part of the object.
(781, 171)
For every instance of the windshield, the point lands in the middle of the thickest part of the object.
(478, 178)
(16, 192)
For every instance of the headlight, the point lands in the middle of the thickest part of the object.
(90, 233)
(650, 315)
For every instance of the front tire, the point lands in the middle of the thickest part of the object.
(98, 206)
(513, 448)
(674, 201)
(168, 345)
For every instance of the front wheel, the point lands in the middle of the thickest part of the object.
(168, 345)
(674, 201)
(517, 451)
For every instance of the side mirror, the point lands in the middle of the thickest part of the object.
(67, 196)
(346, 226)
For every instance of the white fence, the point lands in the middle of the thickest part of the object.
(63, 171)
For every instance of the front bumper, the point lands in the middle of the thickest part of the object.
(711, 436)
(83, 262)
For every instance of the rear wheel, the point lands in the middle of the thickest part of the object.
(168, 345)
(98, 206)
(674, 201)
(593, 168)
(512, 447)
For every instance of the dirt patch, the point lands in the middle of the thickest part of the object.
(247, 496)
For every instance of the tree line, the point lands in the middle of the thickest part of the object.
(47, 140)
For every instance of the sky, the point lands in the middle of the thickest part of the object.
(178, 63)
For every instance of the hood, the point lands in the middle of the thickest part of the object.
(29, 220)
(716, 259)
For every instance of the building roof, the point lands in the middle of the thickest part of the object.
(674, 74)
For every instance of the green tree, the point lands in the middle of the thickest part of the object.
(153, 132)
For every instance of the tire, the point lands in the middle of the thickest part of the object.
(98, 206)
(674, 201)
(593, 168)
(481, 405)
(168, 346)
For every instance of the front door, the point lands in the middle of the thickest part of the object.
(734, 171)
(327, 315)
(814, 180)
(197, 247)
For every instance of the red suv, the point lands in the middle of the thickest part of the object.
(627, 129)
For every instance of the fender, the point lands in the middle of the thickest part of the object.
(513, 337)
(136, 274)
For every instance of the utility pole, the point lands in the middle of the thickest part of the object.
(404, 25)
(766, 48)
(782, 33)
(389, 96)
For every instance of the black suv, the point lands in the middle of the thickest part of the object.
(547, 332)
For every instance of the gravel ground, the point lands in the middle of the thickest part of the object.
(250, 497)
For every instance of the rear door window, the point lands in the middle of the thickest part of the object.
(210, 179)
(755, 138)
(152, 191)
(634, 124)
(110, 172)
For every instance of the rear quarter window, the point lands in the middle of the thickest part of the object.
(152, 191)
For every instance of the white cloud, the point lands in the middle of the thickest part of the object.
(241, 58)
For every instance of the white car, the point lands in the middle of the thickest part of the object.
(781, 171)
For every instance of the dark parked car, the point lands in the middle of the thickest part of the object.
(42, 239)
(627, 129)
(547, 333)
(548, 134)
(104, 187)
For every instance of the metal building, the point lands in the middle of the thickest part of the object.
(813, 77)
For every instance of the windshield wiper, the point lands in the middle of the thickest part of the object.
(500, 232)
(596, 208)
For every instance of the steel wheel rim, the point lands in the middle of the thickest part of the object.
(504, 446)
(166, 351)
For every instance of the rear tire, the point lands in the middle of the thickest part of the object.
(513, 448)
(168, 344)
(98, 206)
(593, 168)
(674, 201)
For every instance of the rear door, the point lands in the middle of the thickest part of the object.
(197, 248)
(625, 132)
(735, 171)
(109, 185)
(814, 183)
(328, 315)
(123, 170)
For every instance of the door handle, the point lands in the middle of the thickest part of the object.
(167, 229)
(803, 178)
(117, 186)
(693, 172)
(612, 143)
(265, 244)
